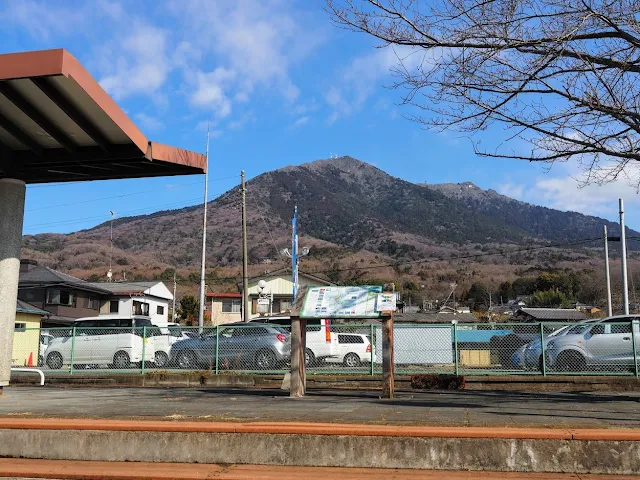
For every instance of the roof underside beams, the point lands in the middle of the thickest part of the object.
(55, 129)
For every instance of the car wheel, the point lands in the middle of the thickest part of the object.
(571, 362)
(265, 360)
(309, 358)
(54, 361)
(121, 360)
(186, 359)
(351, 360)
(161, 359)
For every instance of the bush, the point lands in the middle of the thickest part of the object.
(437, 382)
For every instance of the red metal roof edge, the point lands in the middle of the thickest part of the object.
(224, 295)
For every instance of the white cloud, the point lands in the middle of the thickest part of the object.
(258, 40)
(137, 63)
(301, 121)
(361, 78)
(511, 190)
(149, 123)
(210, 91)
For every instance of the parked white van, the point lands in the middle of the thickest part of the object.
(116, 341)
(322, 343)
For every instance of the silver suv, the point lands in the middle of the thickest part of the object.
(237, 346)
(606, 344)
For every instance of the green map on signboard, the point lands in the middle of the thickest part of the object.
(341, 302)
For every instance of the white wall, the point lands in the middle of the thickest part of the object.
(125, 307)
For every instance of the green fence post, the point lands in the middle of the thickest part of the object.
(542, 351)
(372, 347)
(635, 352)
(217, 337)
(455, 347)
(144, 347)
(73, 349)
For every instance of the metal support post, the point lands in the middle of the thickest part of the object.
(455, 349)
(607, 272)
(73, 349)
(245, 256)
(543, 359)
(388, 357)
(634, 324)
(623, 254)
(144, 347)
(217, 348)
(372, 348)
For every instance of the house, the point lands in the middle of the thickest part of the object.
(65, 297)
(549, 315)
(136, 298)
(582, 307)
(225, 307)
(279, 290)
(26, 334)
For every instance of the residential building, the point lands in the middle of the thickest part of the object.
(26, 334)
(279, 290)
(65, 297)
(151, 299)
(225, 307)
(591, 309)
(549, 315)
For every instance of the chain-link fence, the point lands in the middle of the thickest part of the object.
(593, 346)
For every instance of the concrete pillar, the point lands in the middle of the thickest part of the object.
(12, 195)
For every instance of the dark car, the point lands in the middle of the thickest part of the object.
(237, 346)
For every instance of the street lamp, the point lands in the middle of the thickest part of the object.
(262, 296)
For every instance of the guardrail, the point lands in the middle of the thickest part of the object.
(586, 348)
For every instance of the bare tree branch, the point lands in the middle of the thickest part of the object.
(565, 74)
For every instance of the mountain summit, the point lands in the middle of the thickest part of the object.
(343, 204)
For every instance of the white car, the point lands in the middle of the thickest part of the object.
(354, 349)
(105, 340)
(170, 334)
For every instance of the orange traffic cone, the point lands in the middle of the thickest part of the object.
(30, 361)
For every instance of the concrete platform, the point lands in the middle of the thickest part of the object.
(448, 408)
(58, 470)
(451, 430)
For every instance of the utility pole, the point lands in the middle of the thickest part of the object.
(294, 252)
(607, 272)
(204, 240)
(245, 258)
(623, 254)
(173, 310)
(110, 272)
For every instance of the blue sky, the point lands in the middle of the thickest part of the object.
(281, 85)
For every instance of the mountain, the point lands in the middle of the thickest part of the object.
(352, 214)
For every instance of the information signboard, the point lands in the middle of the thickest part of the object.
(341, 302)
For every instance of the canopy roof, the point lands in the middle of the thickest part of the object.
(57, 124)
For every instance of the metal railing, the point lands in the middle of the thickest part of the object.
(587, 348)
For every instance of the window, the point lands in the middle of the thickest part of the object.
(140, 308)
(61, 297)
(20, 327)
(114, 306)
(285, 305)
(350, 339)
(231, 305)
(93, 303)
(160, 310)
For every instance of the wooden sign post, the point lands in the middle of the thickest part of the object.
(298, 370)
(388, 368)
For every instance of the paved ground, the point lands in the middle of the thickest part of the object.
(158, 471)
(464, 408)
